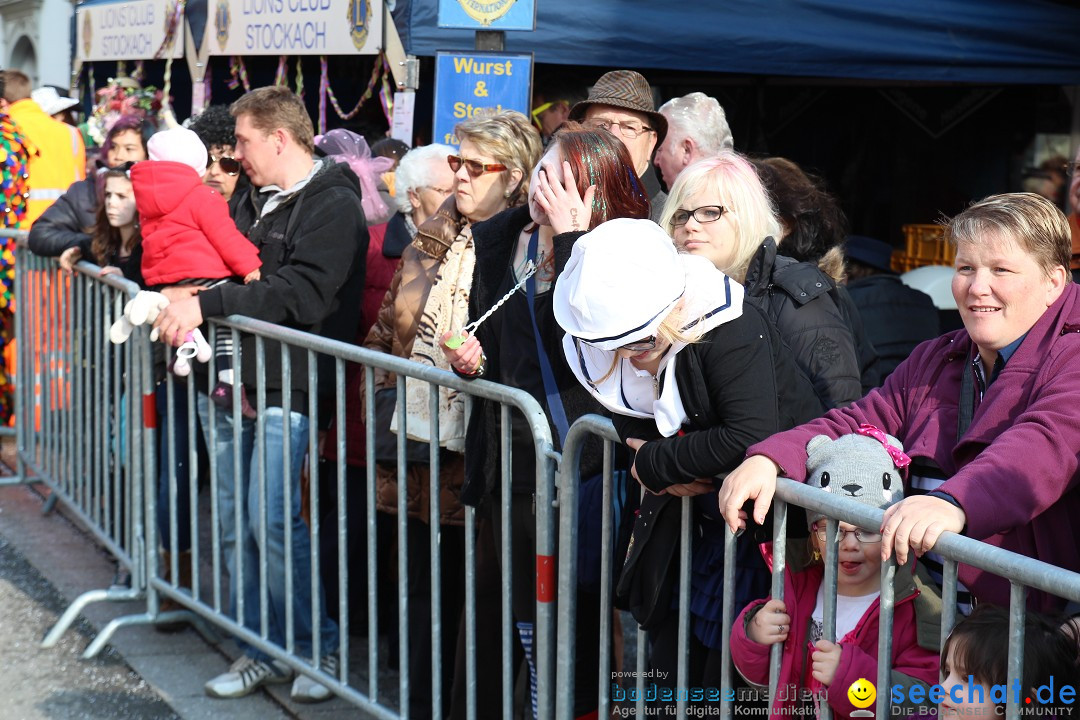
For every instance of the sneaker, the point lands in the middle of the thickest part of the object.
(222, 396)
(306, 690)
(247, 675)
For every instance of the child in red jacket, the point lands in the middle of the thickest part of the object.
(863, 467)
(188, 236)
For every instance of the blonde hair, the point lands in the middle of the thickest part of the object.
(510, 139)
(1030, 220)
(739, 190)
(274, 107)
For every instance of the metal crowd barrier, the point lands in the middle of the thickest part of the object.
(94, 443)
(1021, 571)
(80, 422)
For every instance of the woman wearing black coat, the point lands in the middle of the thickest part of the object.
(694, 376)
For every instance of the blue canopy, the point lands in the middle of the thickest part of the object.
(994, 42)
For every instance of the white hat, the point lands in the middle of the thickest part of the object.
(621, 282)
(178, 145)
(51, 101)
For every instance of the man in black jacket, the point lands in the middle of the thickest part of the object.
(304, 215)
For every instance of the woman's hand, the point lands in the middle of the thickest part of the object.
(826, 659)
(565, 209)
(466, 359)
(754, 479)
(697, 487)
(69, 257)
(771, 624)
(917, 522)
(110, 270)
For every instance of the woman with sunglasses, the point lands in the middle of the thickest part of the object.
(693, 376)
(429, 295)
(216, 127)
(585, 178)
(718, 209)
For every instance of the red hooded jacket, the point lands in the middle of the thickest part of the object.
(186, 229)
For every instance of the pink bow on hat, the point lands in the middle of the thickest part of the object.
(899, 457)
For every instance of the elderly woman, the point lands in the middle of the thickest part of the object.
(428, 296)
(422, 182)
(987, 413)
(69, 221)
(585, 178)
(719, 210)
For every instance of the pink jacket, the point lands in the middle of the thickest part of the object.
(911, 663)
(1016, 470)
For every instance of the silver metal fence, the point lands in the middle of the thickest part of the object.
(1022, 573)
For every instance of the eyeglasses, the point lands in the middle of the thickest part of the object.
(629, 129)
(703, 214)
(475, 168)
(1071, 168)
(863, 536)
(229, 165)
(442, 191)
(645, 345)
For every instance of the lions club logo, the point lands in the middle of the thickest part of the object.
(359, 20)
(486, 13)
(221, 23)
(87, 33)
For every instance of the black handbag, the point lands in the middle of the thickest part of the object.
(386, 442)
(649, 574)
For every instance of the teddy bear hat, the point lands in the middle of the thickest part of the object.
(864, 466)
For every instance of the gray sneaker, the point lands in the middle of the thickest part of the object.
(306, 690)
(247, 675)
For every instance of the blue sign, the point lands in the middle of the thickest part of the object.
(488, 14)
(469, 84)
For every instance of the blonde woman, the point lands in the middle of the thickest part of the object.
(429, 296)
(719, 210)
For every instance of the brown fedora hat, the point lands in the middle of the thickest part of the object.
(624, 89)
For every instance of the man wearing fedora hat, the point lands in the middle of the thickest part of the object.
(621, 101)
(896, 317)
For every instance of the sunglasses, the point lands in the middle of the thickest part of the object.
(648, 343)
(229, 165)
(475, 168)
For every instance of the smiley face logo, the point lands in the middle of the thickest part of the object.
(862, 693)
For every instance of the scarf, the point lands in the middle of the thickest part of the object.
(447, 309)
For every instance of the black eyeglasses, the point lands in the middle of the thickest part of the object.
(863, 536)
(229, 165)
(475, 168)
(703, 214)
(645, 345)
(629, 129)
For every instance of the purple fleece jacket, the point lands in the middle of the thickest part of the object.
(1015, 470)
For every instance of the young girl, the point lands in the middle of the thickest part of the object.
(978, 649)
(813, 668)
(115, 244)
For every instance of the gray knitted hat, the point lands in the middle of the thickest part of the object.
(863, 466)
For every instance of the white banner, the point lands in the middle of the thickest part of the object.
(295, 27)
(131, 30)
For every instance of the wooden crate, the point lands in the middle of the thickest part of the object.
(924, 245)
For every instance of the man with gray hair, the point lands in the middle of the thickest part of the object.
(697, 128)
(422, 182)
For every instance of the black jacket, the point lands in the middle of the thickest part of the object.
(739, 385)
(895, 316)
(797, 297)
(65, 223)
(495, 241)
(313, 248)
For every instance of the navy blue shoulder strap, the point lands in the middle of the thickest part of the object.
(551, 390)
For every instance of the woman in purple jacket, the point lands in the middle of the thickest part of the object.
(990, 414)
